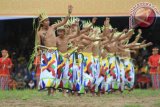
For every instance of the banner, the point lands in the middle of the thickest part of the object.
(56, 8)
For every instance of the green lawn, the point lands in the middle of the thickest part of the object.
(34, 98)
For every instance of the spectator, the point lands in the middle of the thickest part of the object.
(21, 60)
(154, 61)
(12, 84)
(33, 75)
(144, 78)
(27, 76)
(20, 81)
(5, 68)
(31, 84)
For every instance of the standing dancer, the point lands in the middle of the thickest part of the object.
(62, 45)
(98, 77)
(49, 57)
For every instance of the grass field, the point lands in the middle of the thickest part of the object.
(33, 98)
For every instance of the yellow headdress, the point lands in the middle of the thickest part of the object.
(58, 21)
(42, 16)
(97, 29)
(61, 28)
(86, 24)
(72, 20)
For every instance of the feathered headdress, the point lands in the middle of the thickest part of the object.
(86, 23)
(70, 22)
(62, 27)
(42, 16)
(97, 29)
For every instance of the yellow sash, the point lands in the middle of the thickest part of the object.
(46, 47)
(69, 52)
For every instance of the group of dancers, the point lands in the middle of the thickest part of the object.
(92, 59)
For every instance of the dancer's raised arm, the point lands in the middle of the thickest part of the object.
(64, 21)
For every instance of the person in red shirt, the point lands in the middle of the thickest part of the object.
(143, 79)
(5, 67)
(36, 63)
(154, 61)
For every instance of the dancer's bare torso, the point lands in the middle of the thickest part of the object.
(62, 44)
(47, 37)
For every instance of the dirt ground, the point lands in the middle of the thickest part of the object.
(118, 100)
(83, 102)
